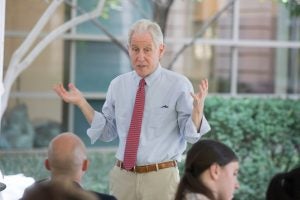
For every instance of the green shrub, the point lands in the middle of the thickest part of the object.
(29, 163)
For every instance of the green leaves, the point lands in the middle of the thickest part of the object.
(110, 5)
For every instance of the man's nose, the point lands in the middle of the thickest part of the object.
(141, 56)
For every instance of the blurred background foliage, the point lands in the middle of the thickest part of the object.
(263, 132)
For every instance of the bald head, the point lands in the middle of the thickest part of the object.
(67, 156)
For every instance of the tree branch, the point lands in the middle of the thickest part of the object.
(200, 32)
(15, 68)
(140, 9)
(101, 27)
(32, 36)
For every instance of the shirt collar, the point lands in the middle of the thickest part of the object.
(149, 79)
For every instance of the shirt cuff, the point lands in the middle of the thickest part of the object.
(97, 123)
(192, 134)
(204, 126)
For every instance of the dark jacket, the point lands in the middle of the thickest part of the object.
(53, 190)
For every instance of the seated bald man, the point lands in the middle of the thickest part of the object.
(67, 159)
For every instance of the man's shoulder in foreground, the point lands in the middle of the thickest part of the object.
(35, 188)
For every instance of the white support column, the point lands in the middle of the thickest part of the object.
(234, 57)
(281, 65)
(2, 31)
(71, 110)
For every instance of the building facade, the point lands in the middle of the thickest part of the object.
(252, 49)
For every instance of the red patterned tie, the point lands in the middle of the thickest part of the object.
(133, 137)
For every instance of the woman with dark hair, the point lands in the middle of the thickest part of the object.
(285, 186)
(211, 170)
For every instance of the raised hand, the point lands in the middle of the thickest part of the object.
(200, 96)
(73, 96)
(198, 103)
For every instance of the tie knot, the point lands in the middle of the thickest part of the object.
(142, 82)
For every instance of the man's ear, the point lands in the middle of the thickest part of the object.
(161, 50)
(214, 171)
(47, 164)
(85, 165)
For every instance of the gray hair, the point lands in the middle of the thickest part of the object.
(145, 25)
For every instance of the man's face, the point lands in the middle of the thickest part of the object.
(144, 55)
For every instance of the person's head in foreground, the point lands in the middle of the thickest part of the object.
(58, 189)
(285, 186)
(211, 170)
(67, 157)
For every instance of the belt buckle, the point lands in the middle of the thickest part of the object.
(156, 166)
(134, 169)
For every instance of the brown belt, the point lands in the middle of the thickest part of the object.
(149, 168)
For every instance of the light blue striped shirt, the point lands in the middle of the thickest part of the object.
(167, 123)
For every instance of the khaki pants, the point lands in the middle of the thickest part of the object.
(157, 185)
